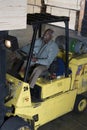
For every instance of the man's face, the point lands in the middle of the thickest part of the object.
(47, 36)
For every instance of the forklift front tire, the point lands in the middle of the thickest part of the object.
(15, 123)
(80, 104)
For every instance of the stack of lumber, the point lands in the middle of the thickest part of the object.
(12, 14)
(84, 22)
(70, 8)
(69, 4)
(64, 12)
(33, 6)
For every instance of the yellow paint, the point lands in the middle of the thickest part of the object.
(58, 95)
(52, 87)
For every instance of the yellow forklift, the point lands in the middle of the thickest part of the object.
(51, 97)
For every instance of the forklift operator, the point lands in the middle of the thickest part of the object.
(45, 51)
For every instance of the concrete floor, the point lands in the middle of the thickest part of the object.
(70, 121)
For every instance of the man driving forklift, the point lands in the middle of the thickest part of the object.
(45, 51)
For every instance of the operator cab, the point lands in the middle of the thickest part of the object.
(36, 20)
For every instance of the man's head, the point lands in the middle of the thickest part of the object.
(48, 35)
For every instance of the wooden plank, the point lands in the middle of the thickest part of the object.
(37, 9)
(30, 9)
(72, 22)
(49, 9)
(79, 2)
(12, 14)
(38, 2)
(81, 15)
(70, 4)
(31, 1)
(12, 23)
(34, 2)
(63, 12)
(60, 11)
(33, 9)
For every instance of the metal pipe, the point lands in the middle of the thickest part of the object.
(40, 31)
(35, 28)
(67, 48)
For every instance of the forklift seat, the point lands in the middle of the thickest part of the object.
(57, 67)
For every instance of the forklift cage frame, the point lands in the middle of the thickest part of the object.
(36, 20)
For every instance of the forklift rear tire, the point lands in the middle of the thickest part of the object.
(80, 104)
(15, 123)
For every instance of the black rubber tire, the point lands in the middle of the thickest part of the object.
(81, 101)
(14, 123)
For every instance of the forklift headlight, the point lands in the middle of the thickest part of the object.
(11, 42)
(8, 43)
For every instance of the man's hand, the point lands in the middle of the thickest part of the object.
(34, 59)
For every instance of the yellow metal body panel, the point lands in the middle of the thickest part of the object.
(81, 80)
(50, 108)
(78, 66)
(78, 60)
(52, 87)
(58, 95)
(20, 92)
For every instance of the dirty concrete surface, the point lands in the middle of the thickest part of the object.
(70, 121)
